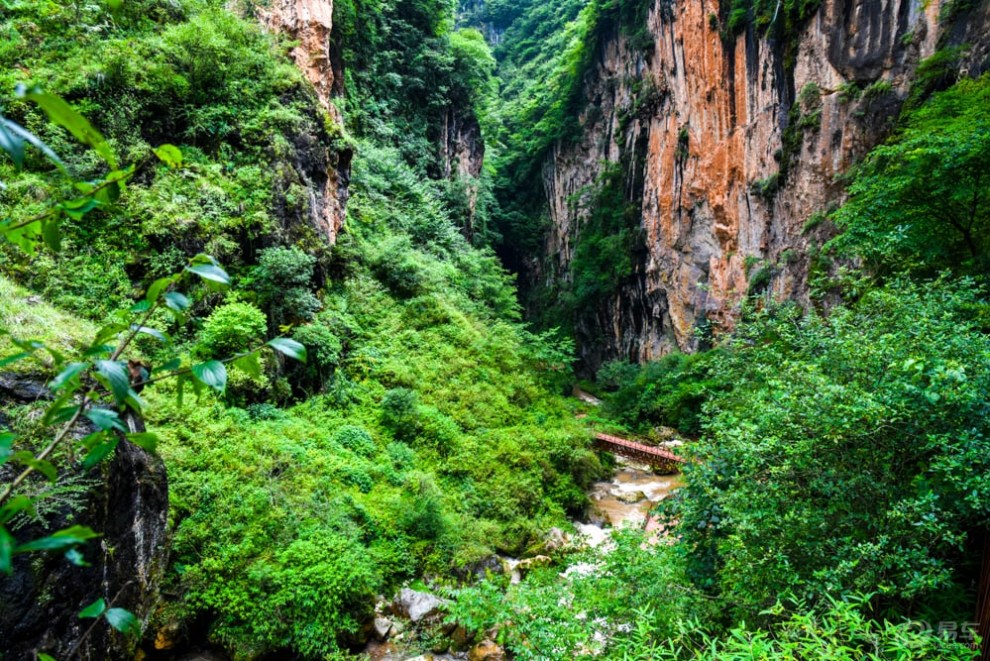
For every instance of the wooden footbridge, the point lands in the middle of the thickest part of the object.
(660, 458)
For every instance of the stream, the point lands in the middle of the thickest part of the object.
(626, 499)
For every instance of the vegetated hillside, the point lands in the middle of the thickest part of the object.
(840, 474)
(424, 433)
(430, 441)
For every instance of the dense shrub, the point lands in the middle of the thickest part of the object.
(669, 392)
(864, 431)
(355, 439)
(921, 203)
(283, 280)
(231, 328)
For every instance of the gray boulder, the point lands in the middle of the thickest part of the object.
(417, 606)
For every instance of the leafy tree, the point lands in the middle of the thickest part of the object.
(850, 454)
(921, 203)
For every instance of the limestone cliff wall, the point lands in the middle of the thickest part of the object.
(462, 157)
(704, 124)
(323, 169)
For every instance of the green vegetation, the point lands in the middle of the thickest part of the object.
(424, 434)
(920, 203)
(407, 68)
(433, 443)
(542, 58)
(840, 477)
(783, 18)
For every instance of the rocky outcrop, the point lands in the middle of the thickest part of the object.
(310, 24)
(727, 149)
(462, 156)
(322, 167)
(126, 501)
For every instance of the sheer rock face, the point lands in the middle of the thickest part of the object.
(705, 123)
(324, 170)
(462, 157)
(126, 501)
(309, 22)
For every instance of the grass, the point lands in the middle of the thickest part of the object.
(25, 316)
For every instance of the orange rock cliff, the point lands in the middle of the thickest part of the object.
(729, 173)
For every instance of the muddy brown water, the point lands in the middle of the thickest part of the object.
(627, 498)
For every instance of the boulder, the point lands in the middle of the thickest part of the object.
(417, 606)
(486, 650)
(382, 627)
(460, 637)
(556, 539)
(631, 497)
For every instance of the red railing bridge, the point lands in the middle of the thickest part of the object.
(659, 458)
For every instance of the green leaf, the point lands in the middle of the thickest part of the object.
(123, 620)
(58, 411)
(249, 364)
(157, 287)
(11, 142)
(77, 209)
(108, 332)
(44, 657)
(52, 233)
(6, 551)
(60, 540)
(99, 453)
(108, 193)
(76, 558)
(176, 301)
(26, 458)
(153, 332)
(169, 155)
(15, 506)
(105, 419)
(211, 374)
(12, 139)
(62, 114)
(288, 347)
(95, 609)
(134, 402)
(90, 441)
(145, 440)
(6, 445)
(116, 377)
(210, 272)
(9, 360)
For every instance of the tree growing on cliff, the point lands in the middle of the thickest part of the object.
(921, 203)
